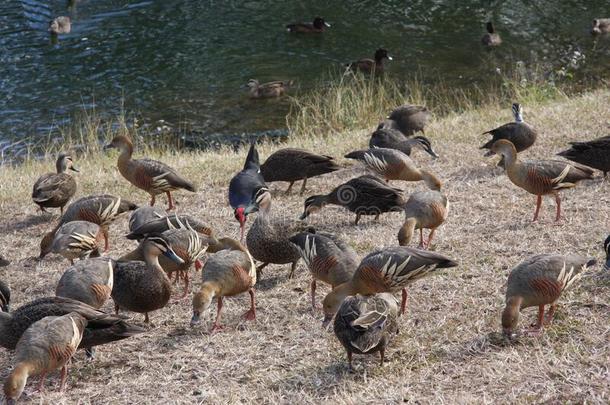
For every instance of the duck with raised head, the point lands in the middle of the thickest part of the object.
(394, 139)
(364, 195)
(540, 280)
(317, 26)
(268, 237)
(595, 153)
(540, 177)
(408, 119)
(44, 347)
(391, 164)
(292, 165)
(268, 90)
(143, 286)
(98, 209)
(424, 209)
(60, 25)
(366, 324)
(369, 66)
(102, 328)
(53, 190)
(491, 37)
(89, 281)
(386, 270)
(144, 215)
(328, 258)
(75, 240)
(246, 188)
(149, 175)
(600, 26)
(226, 273)
(519, 133)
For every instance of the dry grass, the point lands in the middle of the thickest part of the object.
(448, 350)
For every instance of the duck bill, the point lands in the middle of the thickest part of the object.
(326, 321)
(170, 254)
(432, 153)
(74, 169)
(196, 319)
(390, 58)
(327, 24)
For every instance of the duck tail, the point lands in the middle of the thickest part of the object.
(357, 155)
(252, 158)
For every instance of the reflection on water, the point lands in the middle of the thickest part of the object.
(186, 61)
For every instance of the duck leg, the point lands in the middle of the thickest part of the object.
(558, 202)
(357, 219)
(303, 186)
(170, 201)
(186, 285)
(538, 204)
(377, 217)
(64, 377)
(216, 325)
(430, 237)
(536, 328)
(381, 356)
(152, 200)
(106, 244)
(146, 319)
(313, 294)
(40, 387)
(250, 315)
(289, 188)
(550, 314)
(349, 361)
(292, 267)
(422, 241)
(403, 303)
(259, 269)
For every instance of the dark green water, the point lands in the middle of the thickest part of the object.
(185, 61)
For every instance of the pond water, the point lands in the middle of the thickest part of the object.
(186, 61)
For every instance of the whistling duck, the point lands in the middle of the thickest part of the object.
(364, 195)
(407, 119)
(89, 281)
(424, 209)
(491, 38)
(226, 273)
(60, 25)
(54, 190)
(143, 286)
(368, 66)
(595, 153)
(391, 164)
(144, 215)
(318, 26)
(102, 328)
(149, 175)
(366, 324)
(540, 177)
(386, 270)
(98, 209)
(394, 139)
(165, 223)
(74, 240)
(296, 164)
(269, 89)
(538, 281)
(328, 258)
(246, 188)
(519, 133)
(44, 347)
(600, 26)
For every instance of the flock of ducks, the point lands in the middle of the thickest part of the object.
(46, 332)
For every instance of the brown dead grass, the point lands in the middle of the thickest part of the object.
(448, 350)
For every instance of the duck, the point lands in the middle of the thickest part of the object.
(364, 195)
(394, 139)
(98, 209)
(540, 177)
(268, 90)
(186, 243)
(391, 164)
(424, 209)
(491, 38)
(89, 281)
(102, 328)
(317, 26)
(174, 221)
(53, 190)
(60, 25)
(519, 133)
(600, 26)
(246, 188)
(366, 324)
(268, 237)
(540, 280)
(408, 119)
(369, 66)
(74, 240)
(607, 250)
(328, 258)
(291, 164)
(144, 215)
(5, 297)
(47, 345)
(143, 286)
(595, 153)
(386, 270)
(226, 273)
(149, 175)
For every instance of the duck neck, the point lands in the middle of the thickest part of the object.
(405, 234)
(15, 383)
(126, 152)
(5, 321)
(432, 182)
(134, 255)
(152, 262)
(510, 157)
(61, 165)
(203, 298)
(510, 315)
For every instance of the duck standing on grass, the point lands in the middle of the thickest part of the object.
(394, 139)
(75, 240)
(391, 164)
(53, 190)
(45, 346)
(408, 119)
(152, 176)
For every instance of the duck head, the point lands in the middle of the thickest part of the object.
(313, 204)
(381, 54)
(319, 23)
(64, 162)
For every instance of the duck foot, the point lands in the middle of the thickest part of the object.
(216, 328)
(250, 315)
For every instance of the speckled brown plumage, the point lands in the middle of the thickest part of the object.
(53, 190)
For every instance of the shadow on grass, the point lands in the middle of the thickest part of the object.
(29, 221)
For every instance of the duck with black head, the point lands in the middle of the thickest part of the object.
(317, 26)
(369, 66)
(491, 38)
